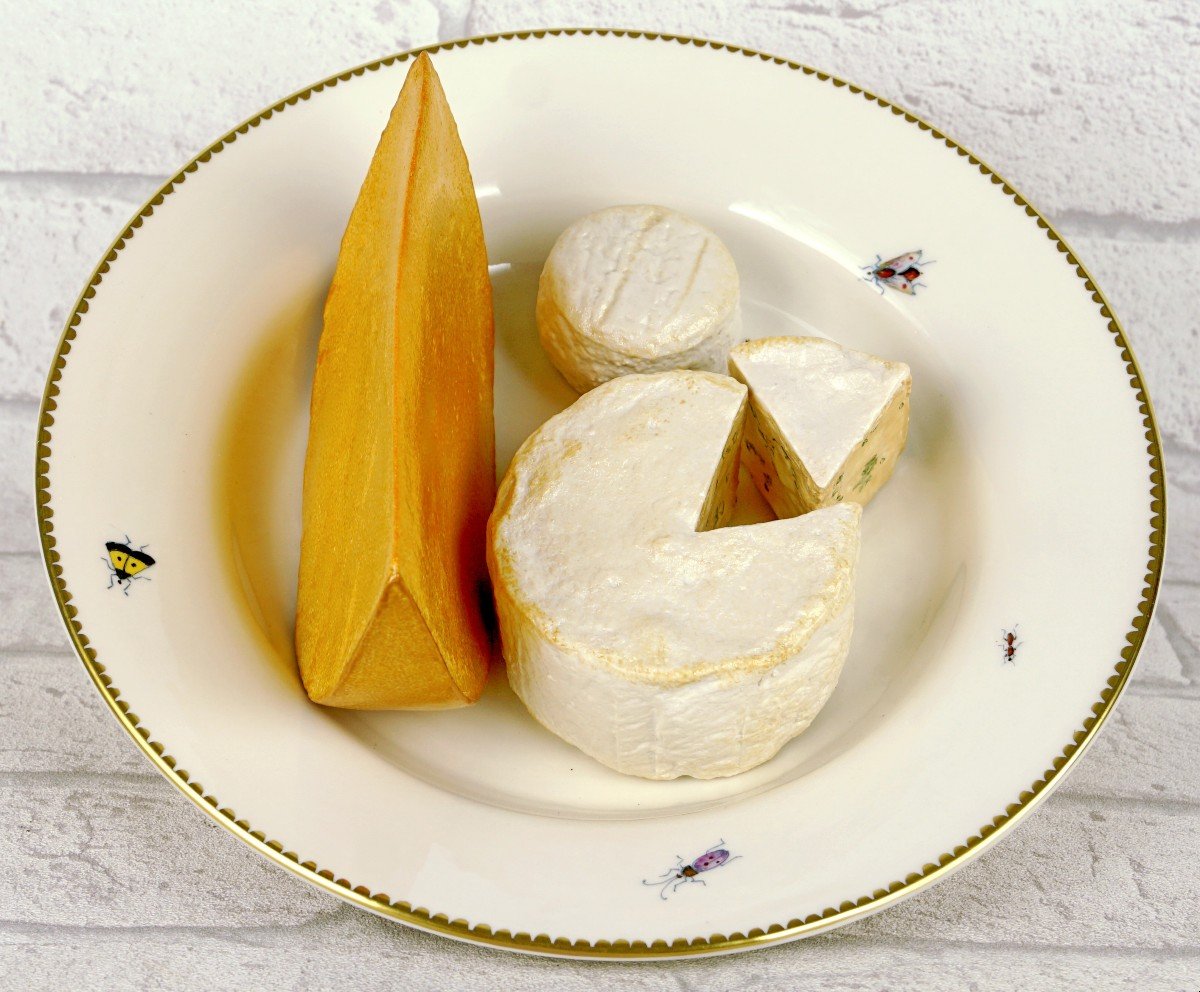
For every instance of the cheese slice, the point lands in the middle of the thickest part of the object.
(637, 289)
(631, 629)
(400, 469)
(826, 424)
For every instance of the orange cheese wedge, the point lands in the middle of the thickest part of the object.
(400, 472)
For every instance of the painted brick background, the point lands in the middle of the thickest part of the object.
(112, 881)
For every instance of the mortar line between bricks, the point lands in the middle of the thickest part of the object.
(1180, 449)
(266, 935)
(79, 780)
(452, 24)
(79, 178)
(1125, 226)
(1176, 448)
(171, 932)
(66, 654)
(1123, 804)
(1180, 953)
(1179, 643)
(1173, 477)
(1192, 489)
(1145, 690)
(38, 650)
(1173, 441)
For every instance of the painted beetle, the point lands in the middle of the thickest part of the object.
(125, 563)
(1008, 644)
(682, 873)
(901, 272)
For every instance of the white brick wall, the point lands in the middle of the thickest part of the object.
(54, 231)
(111, 880)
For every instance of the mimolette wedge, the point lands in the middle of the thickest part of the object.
(400, 472)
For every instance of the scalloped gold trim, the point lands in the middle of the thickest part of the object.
(481, 933)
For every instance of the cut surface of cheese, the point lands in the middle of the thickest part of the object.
(826, 424)
(637, 289)
(657, 646)
(400, 469)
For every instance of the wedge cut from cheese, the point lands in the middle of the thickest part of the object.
(826, 424)
(637, 289)
(657, 646)
(400, 470)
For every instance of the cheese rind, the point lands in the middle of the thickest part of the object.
(826, 425)
(637, 289)
(399, 473)
(659, 649)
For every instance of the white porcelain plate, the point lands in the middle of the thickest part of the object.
(1029, 501)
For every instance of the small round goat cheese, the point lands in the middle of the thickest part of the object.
(637, 289)
(634, 630)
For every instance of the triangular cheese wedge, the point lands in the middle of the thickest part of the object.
(826, 424)
(656, 646)
(400, 471)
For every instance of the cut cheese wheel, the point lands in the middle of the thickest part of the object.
(656, 645)
(827, 424)
(637, 289)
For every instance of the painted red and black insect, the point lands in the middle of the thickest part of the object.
(683, 872)
(901, 273)
(1008, 644)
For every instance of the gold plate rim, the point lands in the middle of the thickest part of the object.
(481, 933)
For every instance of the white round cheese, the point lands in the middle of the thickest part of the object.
(657, 646)
(637, 289)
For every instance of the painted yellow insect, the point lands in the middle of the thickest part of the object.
(125, 563)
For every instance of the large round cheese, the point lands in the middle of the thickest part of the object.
(637, 289)
(634, 630)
